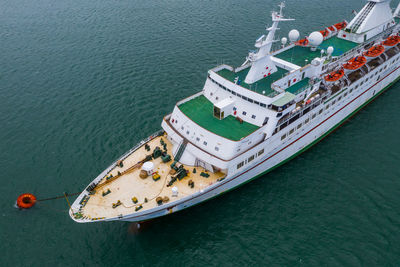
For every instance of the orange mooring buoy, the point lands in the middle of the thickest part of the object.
(26, 201)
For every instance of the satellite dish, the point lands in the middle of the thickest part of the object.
(315, 39)
(330, 50)
(294, 35)
(284, 40)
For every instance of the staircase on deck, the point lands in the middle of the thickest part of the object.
(362, 16)
(181, 149)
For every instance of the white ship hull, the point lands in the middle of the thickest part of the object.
(289, 149)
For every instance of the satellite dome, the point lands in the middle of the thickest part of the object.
(148, 167)
(330, 50)
(315, 38)
(294, 35)
(284, 40)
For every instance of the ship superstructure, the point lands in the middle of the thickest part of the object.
(250, 119)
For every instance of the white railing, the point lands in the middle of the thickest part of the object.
(221, 67)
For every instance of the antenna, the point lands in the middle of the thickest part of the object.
(281, 6)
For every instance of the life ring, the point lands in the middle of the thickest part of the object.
(26, 201)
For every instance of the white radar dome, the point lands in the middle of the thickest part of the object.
(294, 35)
(330, 50)
(284, 40)
(148, 167)
(315, 38)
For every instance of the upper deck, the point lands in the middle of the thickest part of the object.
(262, 86)
(302, 56)
(200, 111)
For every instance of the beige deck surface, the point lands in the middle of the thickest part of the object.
(131, 185)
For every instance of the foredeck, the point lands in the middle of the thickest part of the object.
(262, 86)
(302, 56)
(200, 110)
(130, 185)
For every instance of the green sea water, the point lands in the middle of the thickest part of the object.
(83, 81)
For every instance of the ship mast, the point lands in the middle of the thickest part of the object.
(261, 62)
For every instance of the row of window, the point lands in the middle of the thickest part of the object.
(250, 159)
(238, 95)
(198, 139)
(289, 120)
(291, 131)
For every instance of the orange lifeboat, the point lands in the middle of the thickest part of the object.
(26, 201)
(303, 42)
(324, 33)
(332, 29)
(340, 25)
(334, 76)
(391, 41)
(355, 63)
(374, 51)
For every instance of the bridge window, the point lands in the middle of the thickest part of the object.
(250, 158)
(240, 165)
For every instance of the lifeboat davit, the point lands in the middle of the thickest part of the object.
(374, 51)
(325, 33)
(391, 41)
(332, 29)
(303, 42)
(334, 76)
(355, 63)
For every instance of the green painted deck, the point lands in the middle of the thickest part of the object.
(297, 87)
(262, 85)
(200, 110)
(299, 54)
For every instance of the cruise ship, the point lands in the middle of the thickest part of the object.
(247, 120)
